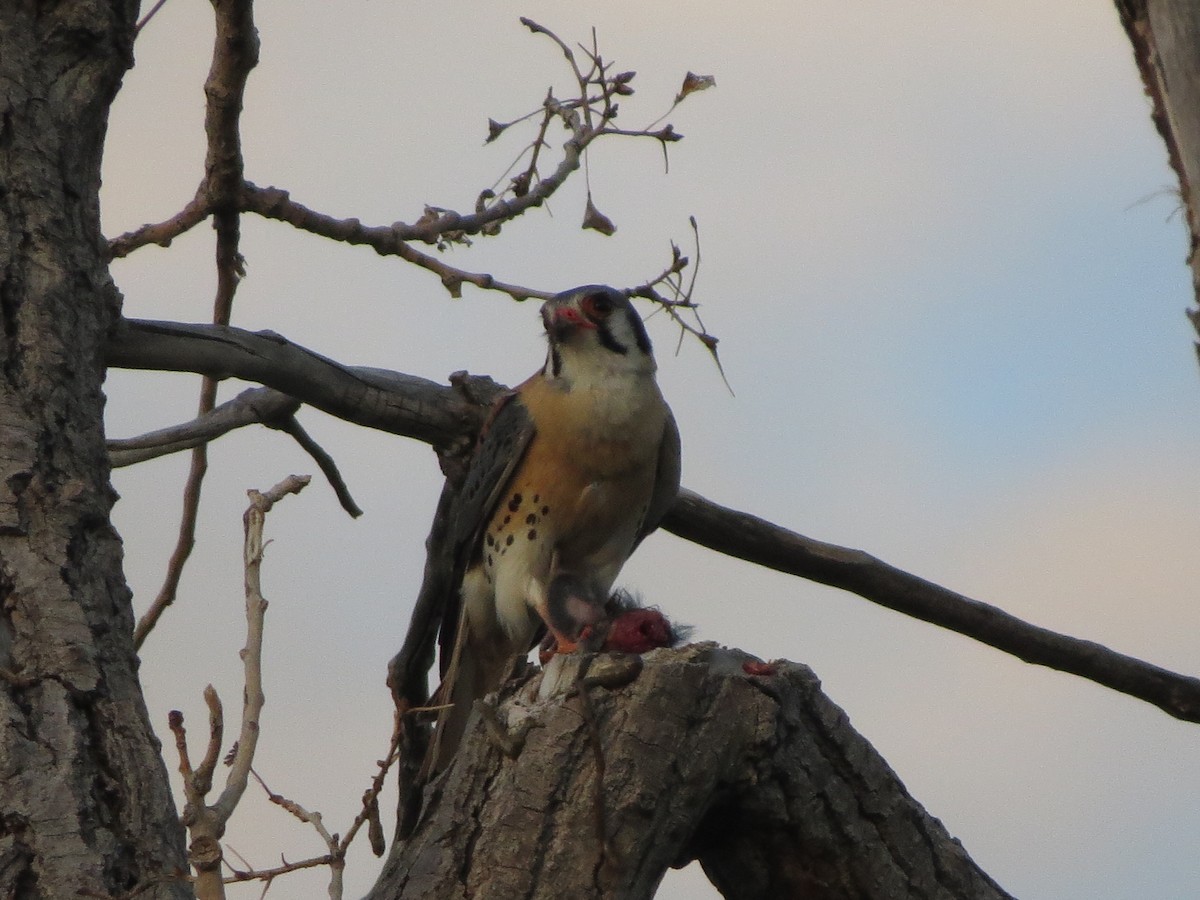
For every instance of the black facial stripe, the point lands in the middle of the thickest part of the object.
(639, 332)
(555, 360)
(607, 339)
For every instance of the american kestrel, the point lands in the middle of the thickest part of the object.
(575, 467)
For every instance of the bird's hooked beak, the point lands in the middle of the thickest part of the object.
(561, 318)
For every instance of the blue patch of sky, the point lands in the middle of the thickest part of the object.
(1074, 332)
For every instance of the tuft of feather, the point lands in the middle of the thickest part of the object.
(635, 628)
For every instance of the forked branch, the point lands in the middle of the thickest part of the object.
(206, 822)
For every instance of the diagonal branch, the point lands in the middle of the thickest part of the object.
(255, 406)
(325, 462)
(758, 541)
(163, 233)
(446, 416)
(386, 240)
(389, 401)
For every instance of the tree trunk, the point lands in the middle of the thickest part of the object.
(1166, 45)
(595, 790)
(85, 807)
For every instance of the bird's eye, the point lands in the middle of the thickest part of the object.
(597, 306)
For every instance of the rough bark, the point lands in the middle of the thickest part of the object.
(759, 776)
(85, 807)
(1166, 44)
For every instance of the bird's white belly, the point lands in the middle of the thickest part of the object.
(519, 578)
(520, 572)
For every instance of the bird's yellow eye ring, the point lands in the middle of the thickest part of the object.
(597, 306)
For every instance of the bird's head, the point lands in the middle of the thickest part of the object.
(595, 327)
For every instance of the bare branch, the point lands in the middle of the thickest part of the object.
(370, 801)
(758, 541)
(567, 51)
(175, 723)
(386, 240)
(443, 415)
(254, 406)
(235, 53)
(401, 404)
(216, 732)
(224, 192)
(392, 240)
(206, 823)
(163, 233)
(184, 543)
(256, 607)
(269, 875)
(672, 279)
(586, 116)
(145, 20)
(337, 847)
(336, 858)
(204, 853)
(328, 467)
(453, 278)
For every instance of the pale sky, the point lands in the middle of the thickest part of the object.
(943, 257)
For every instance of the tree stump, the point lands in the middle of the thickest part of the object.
(592, 787)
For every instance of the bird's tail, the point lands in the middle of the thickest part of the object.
(477, 668)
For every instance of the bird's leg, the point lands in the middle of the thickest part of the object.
(574, 614)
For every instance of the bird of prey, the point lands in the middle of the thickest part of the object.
(574, 468)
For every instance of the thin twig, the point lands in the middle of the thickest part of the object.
(184, 543)
(567, 52)
(216, 733)
(150, 15)
(335, 859)
(370, 804)
(163, 233)
(240, 875)
(326, 463)
(337, 847)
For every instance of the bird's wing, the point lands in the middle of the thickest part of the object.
(503, 441)
(466, 661)
(666, 479)
(478, 664)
